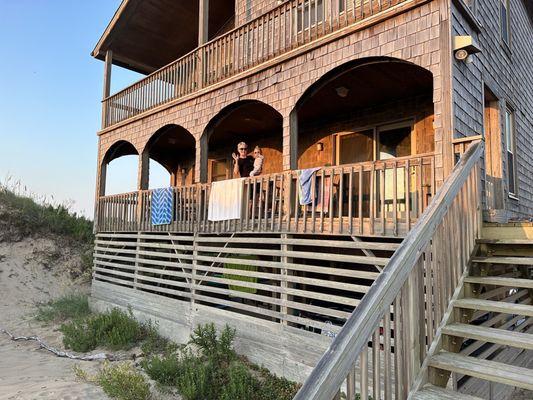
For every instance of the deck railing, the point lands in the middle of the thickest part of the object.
(382, 346)
(382, 198)
(292, 24)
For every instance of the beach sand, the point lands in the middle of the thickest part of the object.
(32, 273)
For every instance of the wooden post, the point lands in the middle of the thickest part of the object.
(203, 21)
(107, 84)
(203, 35)
(284, 273)
(142, 183)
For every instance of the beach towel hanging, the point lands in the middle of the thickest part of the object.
(162, 206)
(305, 178)
(225, 200)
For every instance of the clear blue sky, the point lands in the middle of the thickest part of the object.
(50, 93)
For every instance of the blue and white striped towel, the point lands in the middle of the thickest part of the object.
(162, 206)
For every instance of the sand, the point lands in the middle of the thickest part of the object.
(30, 273)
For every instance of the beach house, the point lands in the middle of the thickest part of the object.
(384, 248)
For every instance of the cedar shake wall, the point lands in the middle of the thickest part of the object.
(508, 72)
(411, 36)
(256, 9)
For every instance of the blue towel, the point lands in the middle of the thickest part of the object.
(162, 205)
(305, 177)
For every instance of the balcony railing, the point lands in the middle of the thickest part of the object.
(288, 26)
(382, 198)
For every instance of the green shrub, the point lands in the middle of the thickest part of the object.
(240, 385)
(214, 347)
(115, 329)
(67, 307)
(195, 380)
(164, 370)
(123, 382)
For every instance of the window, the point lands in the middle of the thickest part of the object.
(510, 150)
(313, 12)
(355, 147)
(505, 21)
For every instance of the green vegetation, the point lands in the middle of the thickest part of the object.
(115, 330)
(72, 306)
(119, 381)
(214, 371)
(25, 212)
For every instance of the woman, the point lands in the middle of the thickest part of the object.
(258, 161)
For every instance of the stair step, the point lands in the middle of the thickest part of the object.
(430, 392)
(501, 281)
(484, 369)
(495, 306)
(504, 260)
(506, 241)
(491, 335)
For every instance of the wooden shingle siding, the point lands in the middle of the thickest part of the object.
(508, 72)
(250, 9)
(411, 36)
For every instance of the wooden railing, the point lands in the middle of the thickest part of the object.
(382, 198)
(290, 25)
(382, 346)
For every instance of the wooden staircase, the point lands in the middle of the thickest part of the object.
(486, 342)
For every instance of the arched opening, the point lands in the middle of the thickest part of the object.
(250, 121)
(118, 172)
(171, 152)
(366, 110)
(359, 115)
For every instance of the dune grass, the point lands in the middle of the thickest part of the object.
(32, 214)
(71, 306)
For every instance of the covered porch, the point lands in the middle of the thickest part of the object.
(364, 132)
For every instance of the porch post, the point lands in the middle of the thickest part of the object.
(203, 21)
(202, 157)
(143, 175)
(107, 84)
(203, 34)
(144, 171)
(292, 137)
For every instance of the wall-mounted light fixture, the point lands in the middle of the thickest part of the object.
(319, 146)
(464, 47)
(342, 91)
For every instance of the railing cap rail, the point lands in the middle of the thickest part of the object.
(328, 375)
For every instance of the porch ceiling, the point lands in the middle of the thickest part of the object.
(145, 35)
(367, 86)
(244, 123)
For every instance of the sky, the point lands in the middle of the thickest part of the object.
(50, 100)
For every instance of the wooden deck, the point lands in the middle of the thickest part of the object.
(380, 198)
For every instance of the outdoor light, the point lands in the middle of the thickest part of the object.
(342, 91)
(464, 47)
(320, 146)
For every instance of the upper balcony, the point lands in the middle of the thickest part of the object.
(292, 27)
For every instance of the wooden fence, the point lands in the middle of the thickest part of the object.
(290, 25)
(382, 346)
(380, 198)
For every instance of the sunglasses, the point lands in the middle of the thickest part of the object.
(243, 149)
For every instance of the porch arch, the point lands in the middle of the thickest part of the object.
(173, 148)
(119, 149)
(362, 93)
(251, 121)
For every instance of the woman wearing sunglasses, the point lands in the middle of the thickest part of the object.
(243, 164)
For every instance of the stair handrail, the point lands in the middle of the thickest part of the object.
(338, 361)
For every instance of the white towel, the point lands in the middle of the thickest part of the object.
(225, 200)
